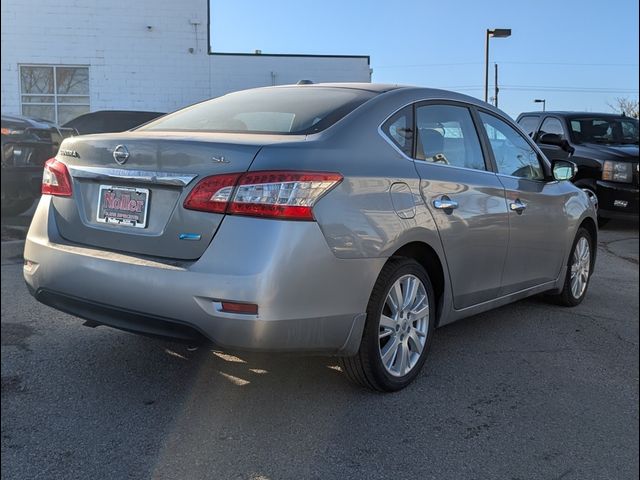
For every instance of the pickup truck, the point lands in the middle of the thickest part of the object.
(605, 148)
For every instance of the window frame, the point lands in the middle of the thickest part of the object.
(55, 95)
(546, 166)
(485, 144)
(489, 166)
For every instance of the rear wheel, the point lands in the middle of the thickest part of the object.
(579, 270)
(398, 331)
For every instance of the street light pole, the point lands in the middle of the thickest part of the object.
(496, 89)
(486, 67)
(543, 101)
(496, 33)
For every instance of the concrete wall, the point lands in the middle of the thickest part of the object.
(131, 66)
(237, 72)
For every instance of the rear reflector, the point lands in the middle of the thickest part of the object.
(271, 194)
(56, 179)
(235, 307)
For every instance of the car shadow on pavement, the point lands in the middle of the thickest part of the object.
(527, 387)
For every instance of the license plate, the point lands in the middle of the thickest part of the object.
(123, 206)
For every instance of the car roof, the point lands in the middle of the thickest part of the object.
(572, 113)
(424, 93)
(369, 87)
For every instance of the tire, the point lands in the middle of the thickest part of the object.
(15, 206)
(568, 297)
(400, 331)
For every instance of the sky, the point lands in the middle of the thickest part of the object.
(577, 55)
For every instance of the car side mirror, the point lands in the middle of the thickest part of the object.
(557, 140)
(564, 169)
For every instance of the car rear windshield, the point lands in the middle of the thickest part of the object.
(609, 130)
(282, 110)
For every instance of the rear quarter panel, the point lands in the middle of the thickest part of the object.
(358, 217)
(377, 208)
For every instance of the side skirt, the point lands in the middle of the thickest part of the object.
(551, 287)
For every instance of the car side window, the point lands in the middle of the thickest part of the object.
(399, 129)
(552, 125)
(446, 135)
(513, 154)
(529, 124)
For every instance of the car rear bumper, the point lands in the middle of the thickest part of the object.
(617, 200)
(308, 300)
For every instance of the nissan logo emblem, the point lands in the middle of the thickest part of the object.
(120, 154)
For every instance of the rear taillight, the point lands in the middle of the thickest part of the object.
(281, 194)
(212, 194)
(56, 179)
(272, 194)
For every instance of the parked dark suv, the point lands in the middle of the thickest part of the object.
(605, 148)
(26, 144)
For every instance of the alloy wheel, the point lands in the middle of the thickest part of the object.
(404, 324)
(580, 267)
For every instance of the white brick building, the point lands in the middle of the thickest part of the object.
(61, 58)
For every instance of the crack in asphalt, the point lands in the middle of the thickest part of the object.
(606, 247)
(597, 319)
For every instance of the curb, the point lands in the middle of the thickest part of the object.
(12, 250)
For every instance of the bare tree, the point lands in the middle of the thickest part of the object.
(628, 106)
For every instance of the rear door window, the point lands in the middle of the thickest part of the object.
(446, 135)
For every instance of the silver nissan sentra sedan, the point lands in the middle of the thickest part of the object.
(341, 219)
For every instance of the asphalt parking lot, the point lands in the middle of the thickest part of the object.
(528, 391)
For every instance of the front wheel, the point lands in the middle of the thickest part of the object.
(398, 330)
(579, 270)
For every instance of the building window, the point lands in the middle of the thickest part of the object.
(54, 92)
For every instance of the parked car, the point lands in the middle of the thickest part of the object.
(26, 144)
(110, 121)
(605, 148)
(343, 219)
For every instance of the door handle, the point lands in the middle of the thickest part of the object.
(518, 206)
(445, 203)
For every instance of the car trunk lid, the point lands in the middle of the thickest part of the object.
(157, 170)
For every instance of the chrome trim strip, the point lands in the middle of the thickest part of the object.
(142, 176)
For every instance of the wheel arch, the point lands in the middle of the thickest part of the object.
(426, 256)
